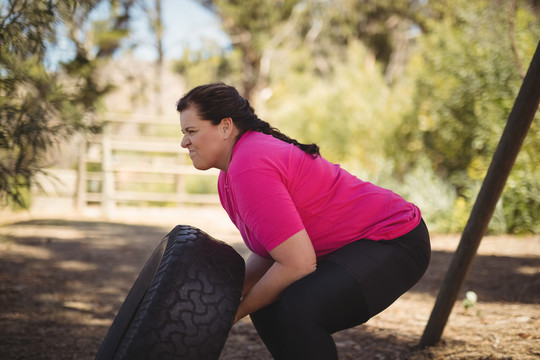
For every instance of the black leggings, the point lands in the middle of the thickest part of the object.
(350, 285)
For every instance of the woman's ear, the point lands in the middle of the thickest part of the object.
(227, 127)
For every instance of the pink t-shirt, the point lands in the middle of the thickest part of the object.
(272, 190)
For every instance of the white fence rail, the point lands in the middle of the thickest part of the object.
(136, 162)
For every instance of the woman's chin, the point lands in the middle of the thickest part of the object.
(200, 166)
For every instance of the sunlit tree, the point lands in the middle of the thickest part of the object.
(41, 107)
(469, 70)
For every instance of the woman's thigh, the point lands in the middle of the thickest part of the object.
(348, 287)
(299, 325)
(329, 298)
(385, 270)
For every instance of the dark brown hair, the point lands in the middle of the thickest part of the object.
(216, 101)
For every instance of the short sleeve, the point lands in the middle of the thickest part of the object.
(266, 207)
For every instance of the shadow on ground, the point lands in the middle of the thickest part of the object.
(62, 282)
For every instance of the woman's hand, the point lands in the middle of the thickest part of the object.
(292, 260)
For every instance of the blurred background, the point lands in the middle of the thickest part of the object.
(412, 95)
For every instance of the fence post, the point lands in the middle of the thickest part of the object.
(179, 179)
(80, 202)
(107, 202)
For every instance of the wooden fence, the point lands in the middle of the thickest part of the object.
(138, 161)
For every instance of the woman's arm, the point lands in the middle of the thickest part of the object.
(293, 259)
(256, 267)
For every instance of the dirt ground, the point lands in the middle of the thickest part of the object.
(63, 279)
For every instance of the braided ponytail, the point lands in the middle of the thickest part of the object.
(265, 128)
(217, 101)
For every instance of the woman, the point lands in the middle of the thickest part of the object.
(329, 251)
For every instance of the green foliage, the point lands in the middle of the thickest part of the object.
(207, 66)
(343, 112)
(251, 26)
(259, 29)
(433, 195)
(468, 76)
(254, 17)
(521, 197)
(40, 109)
(29, 97)
(324, 86)
(325, 72)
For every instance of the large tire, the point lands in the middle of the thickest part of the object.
(183, 303)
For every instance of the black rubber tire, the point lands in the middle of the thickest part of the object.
(183, 303)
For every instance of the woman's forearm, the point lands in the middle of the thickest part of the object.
(293, 259)
(268, 289)
(256, 267)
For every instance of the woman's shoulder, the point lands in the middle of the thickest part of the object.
(255, 149)
(255, 139)
(258, 151)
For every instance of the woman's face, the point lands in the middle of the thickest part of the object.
(209, 145)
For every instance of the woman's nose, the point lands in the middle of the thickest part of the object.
(185, 141)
